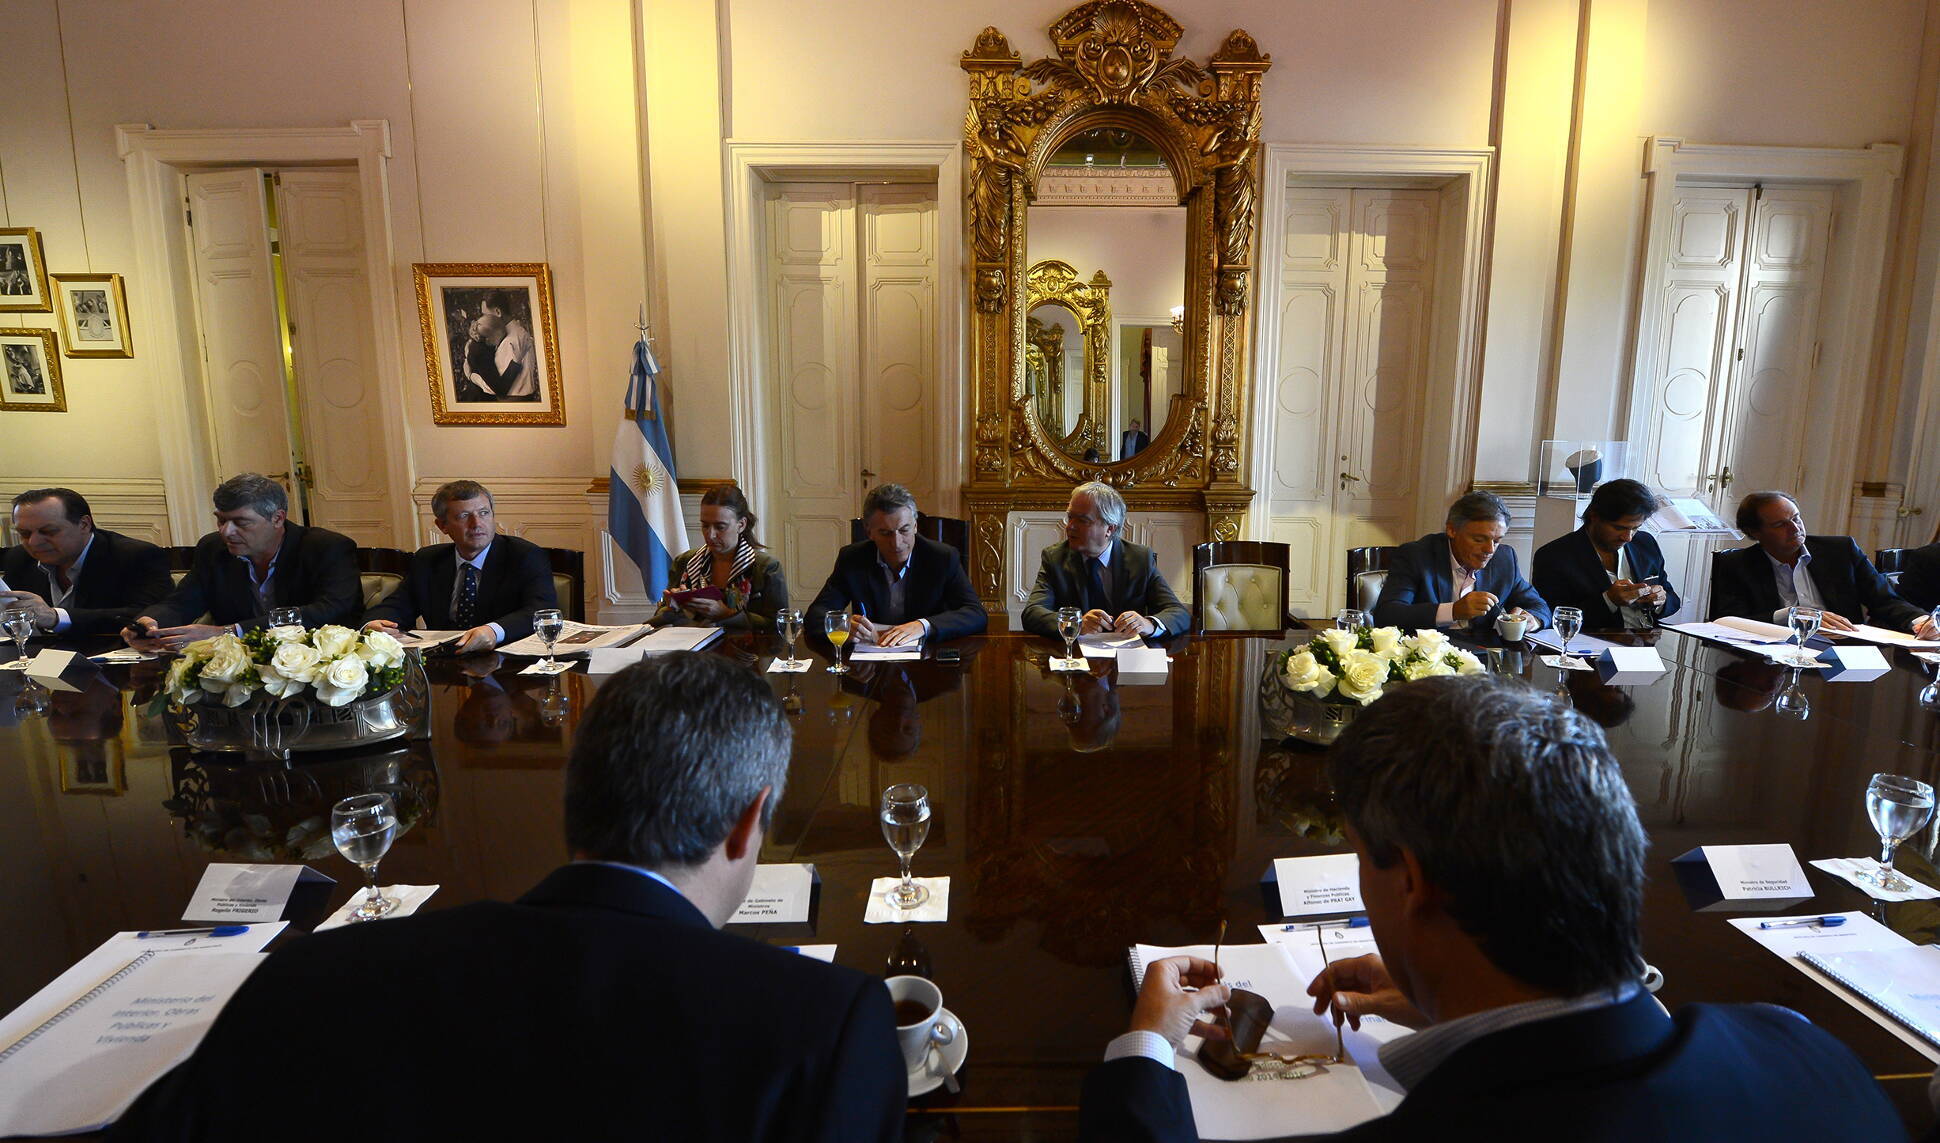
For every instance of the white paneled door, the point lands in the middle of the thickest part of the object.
(236, 303)
(1356, 282)
(851, 351)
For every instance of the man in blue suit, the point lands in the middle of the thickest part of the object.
(903, 587)
(1463, 576)
(1608, 569)
(483, 584)
(1502, 864)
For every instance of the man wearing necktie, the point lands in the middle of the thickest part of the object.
(1462, 576)
(482, 583)
(1115, 581)
(900, 588)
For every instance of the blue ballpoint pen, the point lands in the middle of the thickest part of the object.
(1828, 922)
(217, 931)
(1342, 923)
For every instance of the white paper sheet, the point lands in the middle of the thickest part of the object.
(880, 912)
(230, 894)
(1562, 663)
(778, 895)
(1860, 933)
(1845, 869)
(877, 653)
(1318, 886)
(408, 898)
(577, 638)
(1754, 872)
(1107, 644)
(1580, 645)
(1737, 632)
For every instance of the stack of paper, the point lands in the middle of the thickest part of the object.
(877, 653)
(578, 638)
(1107, 644)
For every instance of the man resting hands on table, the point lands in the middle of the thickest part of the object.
(1116, 582)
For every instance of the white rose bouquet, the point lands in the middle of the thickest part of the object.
(334, 663)
(1355, 666)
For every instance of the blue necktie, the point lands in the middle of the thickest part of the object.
(1094, 570)
(467, 599)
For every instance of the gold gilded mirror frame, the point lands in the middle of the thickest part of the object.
(1057, 283)
(1114, 68)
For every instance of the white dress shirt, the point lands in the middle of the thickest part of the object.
(57, 596)
(1795, 586)
(1463, 581)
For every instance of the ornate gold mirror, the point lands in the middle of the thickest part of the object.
(1114, 156)
(1067, 351)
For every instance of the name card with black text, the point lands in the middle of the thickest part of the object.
(779, 895)
(1742, 877)
(242, 894)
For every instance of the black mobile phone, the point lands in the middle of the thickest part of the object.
(949, 655)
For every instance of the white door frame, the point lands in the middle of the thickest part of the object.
(750, 166)
(1849, 299)
(155, 162)
(1462, 177)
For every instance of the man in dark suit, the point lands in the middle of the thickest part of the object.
(604, 1004)
(74, 578)
(903, 587)
(505, 579)
(1502, 864)
(254, 561)
(1763, 582)
(1608, 569)
(1116, 582)
(1920, 577)
(1461, 576)
(1132, 441)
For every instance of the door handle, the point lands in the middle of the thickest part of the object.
(1724, 478)
(1345, 477)
(867, 478)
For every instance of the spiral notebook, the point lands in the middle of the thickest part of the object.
(1904, 983)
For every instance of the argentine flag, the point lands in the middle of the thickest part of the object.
(643, 505)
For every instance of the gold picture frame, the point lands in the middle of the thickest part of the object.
(491, 350)
(96, 766)
(23, 272)
(30, 372)
(94, 315)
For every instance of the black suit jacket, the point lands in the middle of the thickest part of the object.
(1718, 1073)
(1569, 573)
(601, 1005)
(934, 588)
(316, 570)
(1920, 578)
(1136, 585)
(516, 582)
(1132, 442)
(119, 579)
(1418, 583)
(1744, 584)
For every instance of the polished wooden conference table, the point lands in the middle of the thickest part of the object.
(1074, 816)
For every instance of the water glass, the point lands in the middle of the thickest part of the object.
(1804, 622)
(1347, 618)
(789, 622)
(547, 623)
(363, 827)
(1899, 808)
(835, 625)
(906, 825)
(286, 617)
(1070, 622)
(1792, 702)
(1569, 623)
(18, 623)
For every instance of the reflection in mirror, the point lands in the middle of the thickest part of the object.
(1107, 202)
(1054, 361)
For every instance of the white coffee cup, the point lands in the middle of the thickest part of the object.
(1512, 627)
(921, 1031)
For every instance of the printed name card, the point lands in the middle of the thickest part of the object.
(46, 668)
(779, 894)
(240, 894)
(1746, 876)
(1625, 666)
(1853, 664)
(1319, 886)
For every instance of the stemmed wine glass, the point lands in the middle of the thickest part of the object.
(554, 708)
(1070, 623)
(363, 827)
(835, 625)
(1899, 808)
(1804, 622)
(1792, 702)
(547, 623)
(789, 621)
(1569, 623)
(906, 825)
(18, 623)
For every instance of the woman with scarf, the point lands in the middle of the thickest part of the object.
(749, 581)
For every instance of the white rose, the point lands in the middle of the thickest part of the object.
(1305, 674)
(333, 641)
(1387, 641)
(1340, 642)
(288, 633)
(226, 665)
(202, 648)
(299, 662)
(1361, 676)
(178, 688)
(380, 650)
(1468, 664)
(343, 680)
(1417, 668)
(278, 684)
(1431, 642)
(238, 693)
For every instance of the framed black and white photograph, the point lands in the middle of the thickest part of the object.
(30, 372)
(491, 352)
(94, 315)
(23, 272)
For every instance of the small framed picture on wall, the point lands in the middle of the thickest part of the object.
(30, 372)
(23, 272)
(491, 352)
(94, 315)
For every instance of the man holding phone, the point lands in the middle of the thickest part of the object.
(1608, 568)
(1116, 582)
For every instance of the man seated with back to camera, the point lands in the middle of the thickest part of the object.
(1502, 865)
(603, 1004)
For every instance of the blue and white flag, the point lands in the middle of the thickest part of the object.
(643, 504)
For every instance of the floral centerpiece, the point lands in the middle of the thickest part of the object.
(332, 664)
(1344, 670)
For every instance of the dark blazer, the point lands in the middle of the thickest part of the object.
(316, 570)
(1568, 572)
(1743, 584)
(1136, 585)
(1920, 578)
(1131, 442)
(1418, 583)
(601, 1005)
(767, 595)
(934, 588)
(1719, 1073)
(119, 579)
(517, 581)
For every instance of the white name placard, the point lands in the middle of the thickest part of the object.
(239, 894)
(1751, 871)
(778, 895)
(1312, 886)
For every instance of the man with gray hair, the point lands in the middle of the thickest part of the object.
(254, 561)
(482, 584)
(1502, 865)
(1462, 576)
(1115, 582)
(603, 1004)
(902, 587)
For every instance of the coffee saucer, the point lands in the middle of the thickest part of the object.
(929, 1077)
